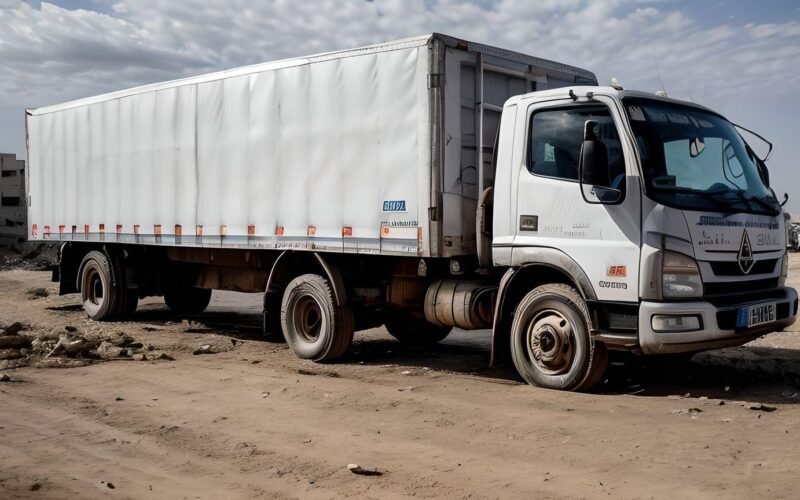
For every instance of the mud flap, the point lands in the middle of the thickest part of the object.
(501, 326)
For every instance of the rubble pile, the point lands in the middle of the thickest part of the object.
(22, 345)
(29, 256)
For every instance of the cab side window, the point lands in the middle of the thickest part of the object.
(556, 139)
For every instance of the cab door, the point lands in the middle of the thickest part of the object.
(601, 234)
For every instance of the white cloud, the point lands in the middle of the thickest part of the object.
(52, 54)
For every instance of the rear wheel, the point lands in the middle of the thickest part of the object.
(550, 342)
(99, 291)
(314, 325)
(188, 300)
(410, 329)
(127, 298)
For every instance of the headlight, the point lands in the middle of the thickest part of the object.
(680, 277)
(784, 269)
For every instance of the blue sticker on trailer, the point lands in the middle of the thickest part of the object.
(394, 206)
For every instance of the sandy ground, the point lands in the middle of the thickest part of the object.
(256, 422)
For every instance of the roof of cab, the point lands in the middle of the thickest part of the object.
(583, 91)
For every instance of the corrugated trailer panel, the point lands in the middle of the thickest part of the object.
(349, 151)
(328, 153)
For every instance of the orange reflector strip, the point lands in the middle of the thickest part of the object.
(34, 229)
(279, 231)
(46, 229)
(251, 230)
(198, 230)
(312, 230)
(157, 229)
(86, 229)
(223, 230)
(136, 229)
(385, 230)
(74, 229)
(347, 231)
(102, 228)
(178, 230)
(60, 229)
(119, 228)
(419, 233)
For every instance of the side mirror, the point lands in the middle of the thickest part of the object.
(696, 146)
(593, 172)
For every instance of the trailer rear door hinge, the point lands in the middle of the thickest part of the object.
(435, 80)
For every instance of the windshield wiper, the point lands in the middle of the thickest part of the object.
(764, 201)
(748, 200)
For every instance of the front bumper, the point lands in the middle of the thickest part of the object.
(718, 327)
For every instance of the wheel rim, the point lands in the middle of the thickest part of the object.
(308, 318)
(94, 290)
(550, 342)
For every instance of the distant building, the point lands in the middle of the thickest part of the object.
(13, 223)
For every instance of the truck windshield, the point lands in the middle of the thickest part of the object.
(695, 159)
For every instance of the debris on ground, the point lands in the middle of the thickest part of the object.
(761, 407)
(194, 327)
(24, 345)
(689, 411)
(205, 349)
(37, 293)
(28, 256)
(357, 469)
(214, 345)
(5, 378)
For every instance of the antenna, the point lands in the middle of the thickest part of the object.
(658, 72)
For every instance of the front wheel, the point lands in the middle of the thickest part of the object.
(551, 344)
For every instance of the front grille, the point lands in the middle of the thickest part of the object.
(731, 268)
(734, 287)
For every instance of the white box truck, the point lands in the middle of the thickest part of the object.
(423, 184)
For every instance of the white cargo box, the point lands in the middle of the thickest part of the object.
(374, 150)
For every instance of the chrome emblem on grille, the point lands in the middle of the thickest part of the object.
(745, 254)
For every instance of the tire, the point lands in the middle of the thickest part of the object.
(313, 324)
(127, 298)
(188, 300)
(99, 290)
(411, 330)
(551, 344)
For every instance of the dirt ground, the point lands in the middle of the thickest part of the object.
(256, 422)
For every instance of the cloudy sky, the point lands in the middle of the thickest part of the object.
(741, 57)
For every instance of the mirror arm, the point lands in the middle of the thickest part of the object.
(766, 157)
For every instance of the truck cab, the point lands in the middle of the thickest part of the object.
(656, 211)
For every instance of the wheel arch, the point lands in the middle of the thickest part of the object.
(288, 266)
(70, 265)
(555, 267)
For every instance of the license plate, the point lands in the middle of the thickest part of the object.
(760, 314)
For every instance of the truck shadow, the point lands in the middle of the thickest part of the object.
(468, 356)
(696, 377)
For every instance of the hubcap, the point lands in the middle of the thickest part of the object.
(308, 318)
(92, 290)
(550, 340)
